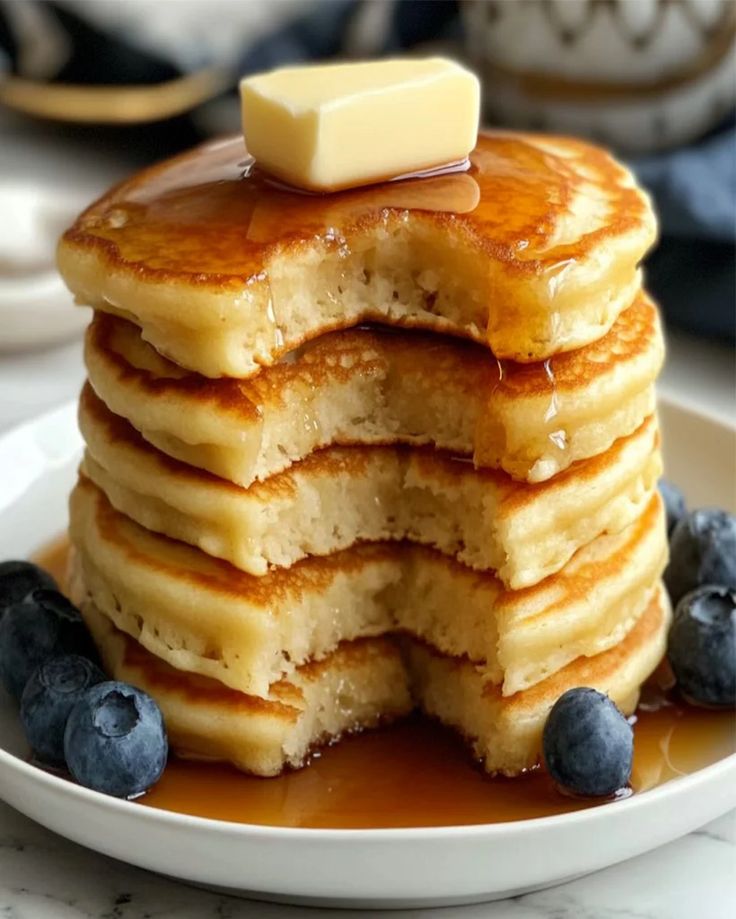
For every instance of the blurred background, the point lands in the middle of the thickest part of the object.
(92, 90)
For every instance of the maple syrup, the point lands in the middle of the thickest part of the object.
(54, 558)
(417, 773)
(199, 212)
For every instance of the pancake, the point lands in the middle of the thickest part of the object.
(534, 251)
(363, 683)
(367, 386)
(204, 616)
(506, 732)
(342, 495)
(360, 685)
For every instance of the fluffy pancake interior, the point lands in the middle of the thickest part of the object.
(364, 682)
(361, 684)
(506, 733)
(256, 630)
(363, 386)
(342, 495)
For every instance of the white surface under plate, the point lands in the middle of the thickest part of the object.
(377, 868)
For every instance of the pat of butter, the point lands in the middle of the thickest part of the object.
(337, 126)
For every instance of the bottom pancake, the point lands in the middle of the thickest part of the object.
(361, 684)
(366, 682)
(506, 732)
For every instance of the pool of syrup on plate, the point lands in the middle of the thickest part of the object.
(417, 773)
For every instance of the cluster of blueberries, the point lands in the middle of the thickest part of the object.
(109, 735)
(588, 744)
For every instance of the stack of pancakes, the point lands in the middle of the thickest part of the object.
(356, 453)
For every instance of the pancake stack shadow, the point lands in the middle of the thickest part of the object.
(348, 455)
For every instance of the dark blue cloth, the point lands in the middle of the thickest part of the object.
(692, 273)
(695, 187)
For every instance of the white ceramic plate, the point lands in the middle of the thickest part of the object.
(376, 868)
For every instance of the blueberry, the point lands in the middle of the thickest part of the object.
(50, 694)
(702, 551)
(18, 579)
(674, 503)
(702, 646)
(588, 744)
(115, 740)
(43, 625)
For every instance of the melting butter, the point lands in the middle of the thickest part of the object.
(337, 126)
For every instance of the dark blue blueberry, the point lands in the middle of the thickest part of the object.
(702, 551)
(18, 579)
(588, 744)
(115, 740)
(702, 646)
(44, 625)
(674, 503)
(50, 694)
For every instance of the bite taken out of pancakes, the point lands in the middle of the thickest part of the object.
(203, 616)
(361, 685)
(368, 682)
(368, 386)
(339, 496)
(534, 251)
(355, 453)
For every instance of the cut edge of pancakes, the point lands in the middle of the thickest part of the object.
(288, 537)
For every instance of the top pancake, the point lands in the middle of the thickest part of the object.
(533, 251)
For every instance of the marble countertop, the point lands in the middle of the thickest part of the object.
(42, 876)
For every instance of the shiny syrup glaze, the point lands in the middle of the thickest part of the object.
(211, 213)
(417, 773)
(528, 222)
